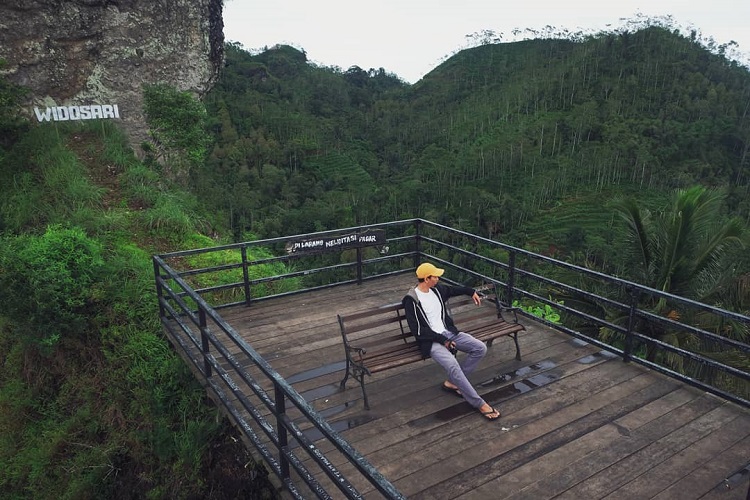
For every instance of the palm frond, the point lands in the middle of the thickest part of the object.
(637, 223)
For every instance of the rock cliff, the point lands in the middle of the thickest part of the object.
(81, 53)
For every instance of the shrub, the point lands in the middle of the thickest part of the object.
(49, 282)
(540, 310)
(177, 123)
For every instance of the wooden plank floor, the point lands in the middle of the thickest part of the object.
(576, 422)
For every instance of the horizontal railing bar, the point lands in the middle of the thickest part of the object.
(267, 427)
(589, 272)
(641, 313)
(523, 273)
(326, 465)
(624, 307)
(691, 355)
(572, 289)
(572, 311)
(206, 270)
(691, 381)
(284, 239)
(248, 431)
(183, 325)
(178, 299)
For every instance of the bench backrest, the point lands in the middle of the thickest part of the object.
(376, 326)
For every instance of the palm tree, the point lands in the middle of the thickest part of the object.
(683, 252)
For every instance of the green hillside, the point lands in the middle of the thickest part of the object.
(499, 134)
(94, 402)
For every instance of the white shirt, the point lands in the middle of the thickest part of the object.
(433, 310)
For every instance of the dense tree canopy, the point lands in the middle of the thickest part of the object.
(494, 140)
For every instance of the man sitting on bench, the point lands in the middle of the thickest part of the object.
(439, 338)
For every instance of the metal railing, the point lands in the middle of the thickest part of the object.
(696, 343)
(699, 344)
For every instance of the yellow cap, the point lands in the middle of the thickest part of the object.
(428, 269)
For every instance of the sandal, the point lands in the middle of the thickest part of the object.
(451, 390)
(491, 414)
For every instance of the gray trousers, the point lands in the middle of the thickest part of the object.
(458, 372)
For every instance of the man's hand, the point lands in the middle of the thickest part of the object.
(451, 346)
(477, 299)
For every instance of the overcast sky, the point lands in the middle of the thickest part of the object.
(411, 37)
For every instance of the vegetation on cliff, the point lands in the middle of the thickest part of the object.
(94, 403)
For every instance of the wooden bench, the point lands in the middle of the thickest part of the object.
(378, 339)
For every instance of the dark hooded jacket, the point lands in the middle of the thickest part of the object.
(417, 319)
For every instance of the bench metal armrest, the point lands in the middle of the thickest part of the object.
(358, 351)
(512, 310)
(488, 292)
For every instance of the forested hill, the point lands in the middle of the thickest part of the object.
(500, 139)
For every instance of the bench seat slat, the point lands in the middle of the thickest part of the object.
(496, 329)
(393, 361)
(407, 360)
(390, 349)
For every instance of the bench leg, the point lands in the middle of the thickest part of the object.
(518, 348)
(364, 393)
(346, 375)
(358, 375)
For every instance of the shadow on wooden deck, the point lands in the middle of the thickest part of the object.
(576, 423)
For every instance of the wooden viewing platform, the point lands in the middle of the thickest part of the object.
(576, 422)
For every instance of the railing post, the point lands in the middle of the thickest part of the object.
(245, 274)
(162, 312)
(511, 279)
(281, 429)
(628, 350)
(204, 341)
(359, 265)
(417, 239)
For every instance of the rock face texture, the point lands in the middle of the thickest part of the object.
(102, 52)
